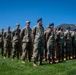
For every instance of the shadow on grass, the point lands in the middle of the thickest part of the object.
(45, 63)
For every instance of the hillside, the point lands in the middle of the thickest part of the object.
(65, 25)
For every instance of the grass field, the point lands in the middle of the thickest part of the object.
(8, 67)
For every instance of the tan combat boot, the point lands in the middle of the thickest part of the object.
(23, 62)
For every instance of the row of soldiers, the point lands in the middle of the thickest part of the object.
(38, 43)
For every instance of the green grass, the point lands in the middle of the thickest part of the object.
(8, 67)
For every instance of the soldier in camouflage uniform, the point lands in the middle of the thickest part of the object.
(74, 42)
(56, 47)
(68, 43)
(1, 41)
(26, 40)
(50, 37)
(60, 43)
(45, 51)
(39, 41)
(16, 42)
(7, 42)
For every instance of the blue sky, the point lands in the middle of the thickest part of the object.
(19, 11)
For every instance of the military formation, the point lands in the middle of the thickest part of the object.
(52, 45)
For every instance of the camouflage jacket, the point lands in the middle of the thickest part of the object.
(60, 36)
(74, 37)
(68, 35)
(50, 36)
(16, 35)
(7, 36)
(26, 34)
(38, 34)
(1, 37)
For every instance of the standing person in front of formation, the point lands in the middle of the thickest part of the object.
(39, 42)
(26, 36)
(60, 43)
(50, 37)
(68, 43)
(2, 41)
(7, 42)
(16, 42)
(74, 42)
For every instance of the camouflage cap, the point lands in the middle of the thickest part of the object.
(27, 22)
(17, 24)
(8, 26)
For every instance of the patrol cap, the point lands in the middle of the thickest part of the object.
(40, 19)
(68, 27)
(17, 24)
(8, 26)
(27, 22)
(51, 24)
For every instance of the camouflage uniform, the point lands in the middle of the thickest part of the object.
(16, 43)
(68, 43)
(50, 45)
(7, 43)
(26, 40)
(74, 43)
(39, 41)
(45, 51)
(56, 47)
(60, 44)
(1, 42)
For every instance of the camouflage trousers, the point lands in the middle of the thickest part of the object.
(7, 48)
(38, 51)
(16, 49)
(74, 49)
(69, 50)
(2, 48)
(26, 47)
(50, 51)
(60, 50)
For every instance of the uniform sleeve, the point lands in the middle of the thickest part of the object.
(33, 32)
(22, 34)
(47, 35)
(58, 33)
(12, 34)
(19, 30)
(72, 34)
(65, 33)
(4, 35)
